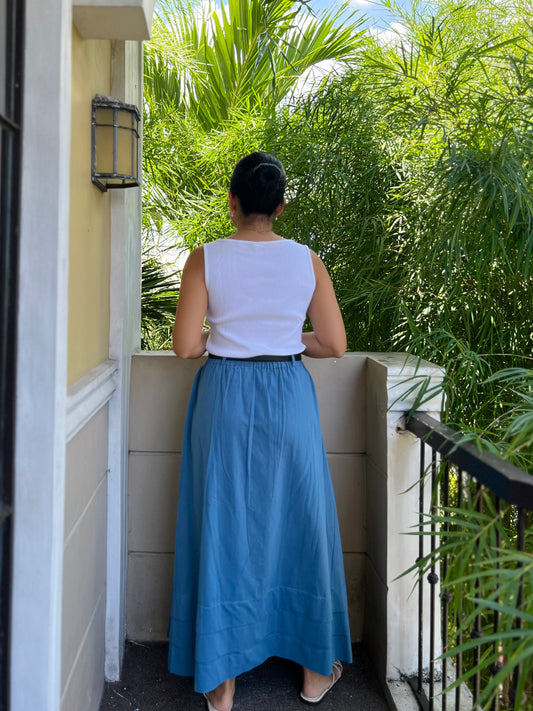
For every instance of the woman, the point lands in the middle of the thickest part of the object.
(258, 565)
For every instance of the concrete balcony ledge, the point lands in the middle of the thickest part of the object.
(374, 463)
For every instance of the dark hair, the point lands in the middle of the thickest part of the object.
(259, 181)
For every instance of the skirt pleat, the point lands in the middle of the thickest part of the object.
(258, 565)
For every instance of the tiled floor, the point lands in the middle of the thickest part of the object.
(274, 686)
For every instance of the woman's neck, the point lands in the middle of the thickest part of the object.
(255, 229)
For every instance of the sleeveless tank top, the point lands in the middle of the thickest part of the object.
(258, 295)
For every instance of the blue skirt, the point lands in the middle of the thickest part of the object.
(258, 565)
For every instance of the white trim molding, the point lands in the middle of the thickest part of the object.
(88, 395)
(41, 383)
(124, 339)
(114, 19)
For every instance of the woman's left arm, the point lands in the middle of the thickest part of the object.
(188, 338)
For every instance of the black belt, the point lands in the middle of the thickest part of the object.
(262, 358)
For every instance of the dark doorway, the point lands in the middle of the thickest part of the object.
(11, 22)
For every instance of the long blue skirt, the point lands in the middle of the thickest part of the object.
(258, 565)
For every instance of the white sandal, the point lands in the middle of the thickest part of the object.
(314, 700)
(210, 706)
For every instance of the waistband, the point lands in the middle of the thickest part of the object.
(262, 358)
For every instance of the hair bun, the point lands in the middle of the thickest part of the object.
(267, 174)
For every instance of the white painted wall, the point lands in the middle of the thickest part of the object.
(41, 360)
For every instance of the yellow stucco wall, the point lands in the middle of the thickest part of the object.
(89, 246)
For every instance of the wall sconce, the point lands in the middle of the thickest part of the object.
(115, 144)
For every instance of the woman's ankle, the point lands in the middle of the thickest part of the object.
(222, 697)
(314, 684)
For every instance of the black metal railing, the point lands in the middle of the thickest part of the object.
(478, 514)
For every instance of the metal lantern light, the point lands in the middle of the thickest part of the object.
(115, 143)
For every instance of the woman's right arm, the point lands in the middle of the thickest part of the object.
(188, 337)
(328, 337)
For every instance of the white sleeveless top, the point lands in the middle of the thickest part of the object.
(258, 295)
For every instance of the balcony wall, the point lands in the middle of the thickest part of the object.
(361, 399)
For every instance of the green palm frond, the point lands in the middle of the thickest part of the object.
(486, 575)
(159, 296)
(247, 55)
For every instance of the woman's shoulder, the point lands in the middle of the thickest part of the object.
(195, 260)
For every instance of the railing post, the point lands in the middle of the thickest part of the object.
(393, 464)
